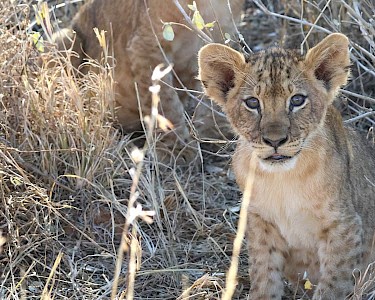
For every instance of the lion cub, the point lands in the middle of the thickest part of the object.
(134, 31)
(312, 206)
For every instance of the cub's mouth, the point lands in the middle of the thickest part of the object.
(277, 161)
(277, 158)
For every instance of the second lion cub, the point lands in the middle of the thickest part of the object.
(134, 32)
(312, 206)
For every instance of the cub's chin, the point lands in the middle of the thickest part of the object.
(278, 163)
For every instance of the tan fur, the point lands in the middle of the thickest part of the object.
(137, 52)
(313, 200)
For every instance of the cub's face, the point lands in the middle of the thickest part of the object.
(276, 99)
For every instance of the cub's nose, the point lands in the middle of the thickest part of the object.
(275, 142)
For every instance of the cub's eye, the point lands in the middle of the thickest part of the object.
(252, 103)
(297, 100)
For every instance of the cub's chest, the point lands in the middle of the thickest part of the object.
(297, 209)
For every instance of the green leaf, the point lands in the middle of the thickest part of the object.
(308, 285)
(168, 32)
(41, 12)
(16, 181)
(193, 6)
(210, 25)
(198, 20)
(38, 41)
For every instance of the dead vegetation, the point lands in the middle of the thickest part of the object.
(69, 178)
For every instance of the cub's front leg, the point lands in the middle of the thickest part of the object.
(267, 250)
(143, 55)
(340, 252)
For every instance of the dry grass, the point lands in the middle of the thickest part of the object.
(67, 176)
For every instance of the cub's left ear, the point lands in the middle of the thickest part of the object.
(219, 69)
(329, 60)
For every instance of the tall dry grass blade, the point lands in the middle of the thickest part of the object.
(240, 235)
(46, 294)
(133, 213)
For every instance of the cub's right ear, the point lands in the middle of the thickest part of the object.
(220, 67)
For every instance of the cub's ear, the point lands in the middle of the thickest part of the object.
(329, 60)
(219, 68)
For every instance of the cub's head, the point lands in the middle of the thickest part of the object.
(276, 99)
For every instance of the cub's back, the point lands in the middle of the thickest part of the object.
(122, 18)
(118, 18)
